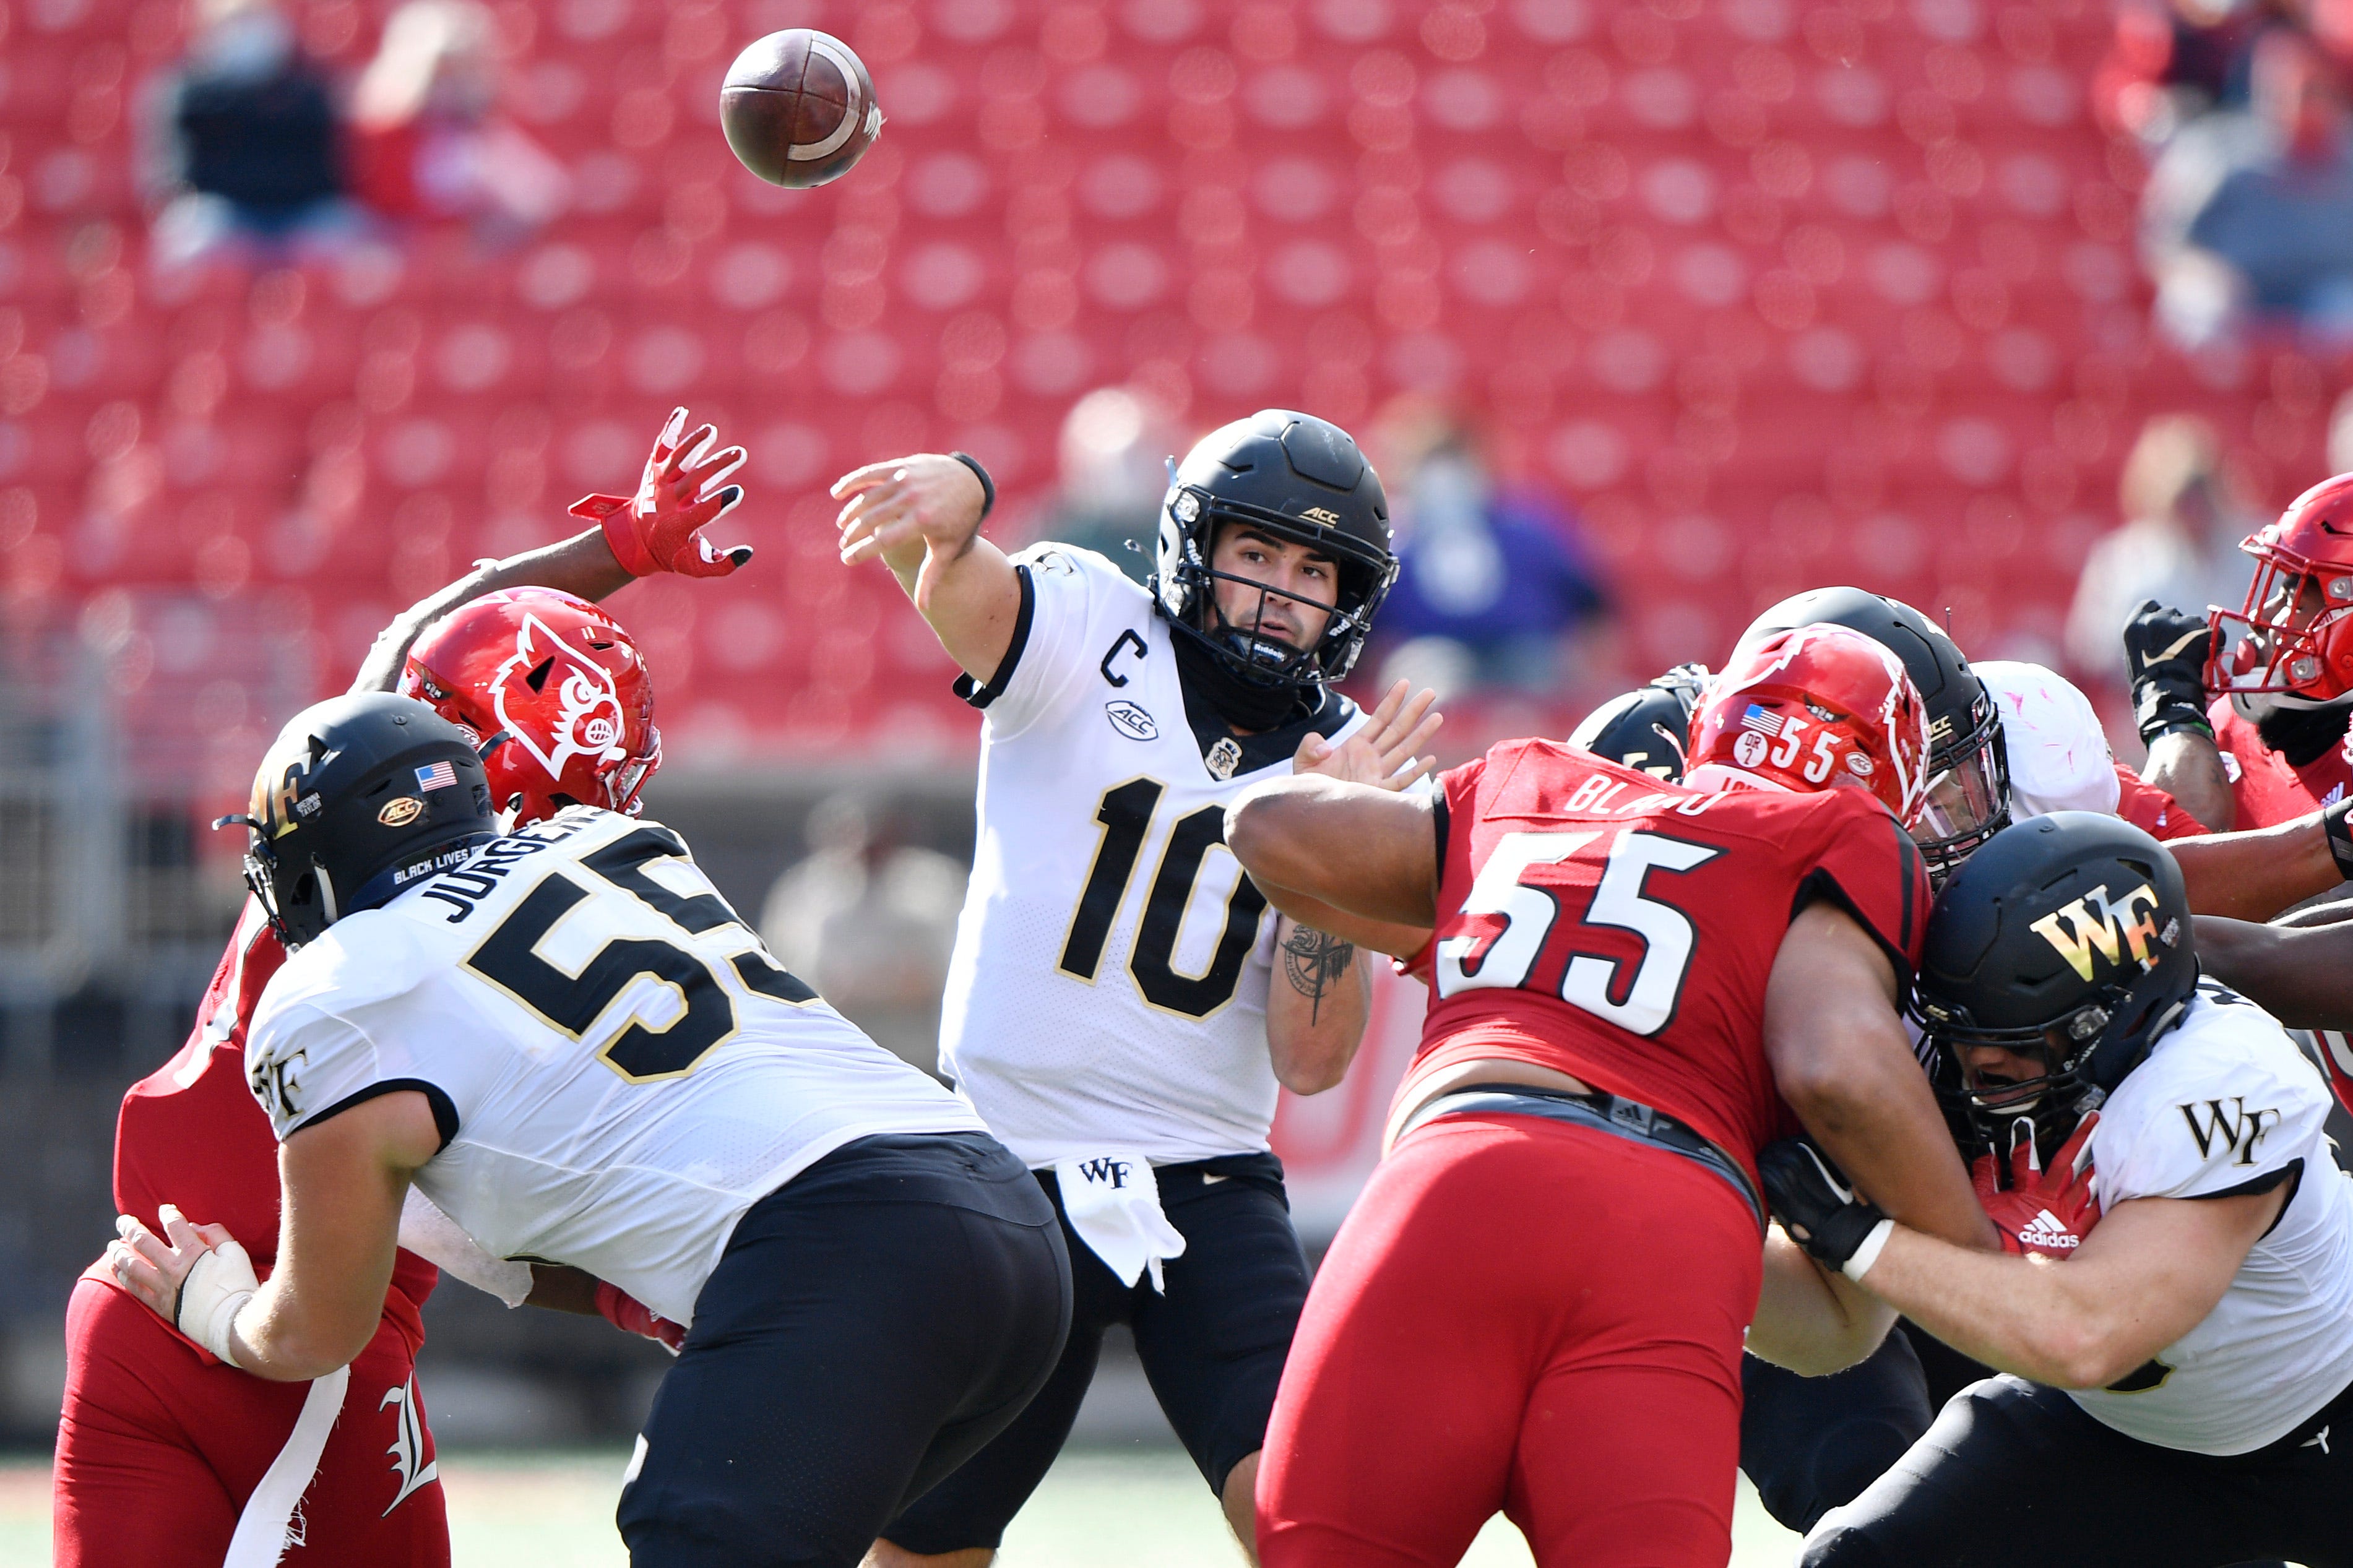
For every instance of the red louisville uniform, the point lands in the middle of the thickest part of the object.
(2265, 787)
(1548, 1316)
(167, 1459)
(2151, 809)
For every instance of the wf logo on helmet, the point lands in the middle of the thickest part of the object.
(588, 719)
(2109, 926)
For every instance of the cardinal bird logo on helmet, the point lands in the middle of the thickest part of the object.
(589, 719)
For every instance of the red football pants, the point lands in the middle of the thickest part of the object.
(158, 1453)
(1525, 1317)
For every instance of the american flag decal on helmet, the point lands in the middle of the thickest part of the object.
(440, 775)
(1764, 721)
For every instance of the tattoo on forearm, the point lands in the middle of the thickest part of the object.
(1313, 961)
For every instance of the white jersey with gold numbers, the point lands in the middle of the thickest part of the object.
(1110, 978)
(618, 1068)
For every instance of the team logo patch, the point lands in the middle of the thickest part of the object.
(2111, 927)
(1130, 721)
(1749, 748)
(407, 1447)
(590, 719)
(1224, 757)
(400, 811)
(1859, 765)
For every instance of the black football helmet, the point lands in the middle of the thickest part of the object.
(1648, 727)
(2065, 938)
(356, 798)
(1302, 479)
(1969, 768)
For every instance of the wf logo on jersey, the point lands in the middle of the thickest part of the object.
(2232, 1129)
(1105, 1172)
(589, 719)
(278, 1085)
(2110, 927)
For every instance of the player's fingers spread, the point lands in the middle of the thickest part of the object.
(869, 499)
(1391, 701)
(1419, 704)
(668, 440)
(698, 445)
(866, 478)
(721, 464)
(1422, 732)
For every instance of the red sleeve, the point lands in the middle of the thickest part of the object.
(1456, 804)
(1869, 868)
(2151, 809)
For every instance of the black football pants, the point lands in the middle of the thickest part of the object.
(2012, 1475)
(872, 1324)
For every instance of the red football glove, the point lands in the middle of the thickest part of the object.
(627, 1313)
(660, 528)
(2046, 1212)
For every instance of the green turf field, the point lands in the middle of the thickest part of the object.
(1142, 1508)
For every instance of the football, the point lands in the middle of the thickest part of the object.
(798, 107)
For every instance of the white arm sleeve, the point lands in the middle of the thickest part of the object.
(433, 1235)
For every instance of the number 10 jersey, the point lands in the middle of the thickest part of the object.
(1109, 984)
(618, 1068)
(1596, 921)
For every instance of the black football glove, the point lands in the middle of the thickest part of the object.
(2168, 650)
(1819, 1209)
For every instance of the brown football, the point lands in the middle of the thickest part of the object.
(798, 107)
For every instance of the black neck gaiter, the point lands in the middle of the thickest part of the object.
(1244, 704)
(2303, 735)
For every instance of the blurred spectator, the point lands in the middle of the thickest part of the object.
(242, 151)
(1113, 457)
(1492, 591)
(2171, 63)
(2250, 215)
(2179, 544)
(427, 143)
(870, 920)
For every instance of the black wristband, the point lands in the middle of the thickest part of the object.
(987, 485)
(2340, 836)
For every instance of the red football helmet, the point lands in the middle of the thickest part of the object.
(1815, 708)
(553, 692)
(2294, 636)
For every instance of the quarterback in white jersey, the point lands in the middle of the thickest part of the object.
(2179, 1332)
(567, 1039)
(1112, 1008)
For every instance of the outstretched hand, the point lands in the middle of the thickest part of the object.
(901, 510)
(1385, 753)
(683, 490)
